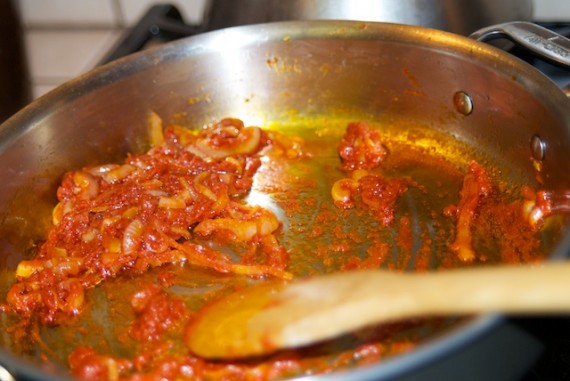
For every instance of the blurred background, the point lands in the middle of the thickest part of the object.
(64, 38)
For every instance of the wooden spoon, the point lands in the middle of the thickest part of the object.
(275, 315)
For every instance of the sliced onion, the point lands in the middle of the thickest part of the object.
(203, 149)
(102, 169)
(89, 235)
(201, 188)
(243, 229)
(132, 236)
(25, 269)
(59, 211)
(155, 129)
(86, 185)
(341, 192)
(118, 173)
(171, 203)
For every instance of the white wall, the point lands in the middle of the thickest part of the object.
(551, 10)
(121, 13)
(99, 13)
(65, 38)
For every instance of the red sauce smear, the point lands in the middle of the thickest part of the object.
(165, 206)
(114, 219)
(476, 186)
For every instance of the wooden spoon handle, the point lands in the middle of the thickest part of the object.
(259, 320)
(509, 289)
(325, 307)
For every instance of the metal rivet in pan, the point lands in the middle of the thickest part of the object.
(537, 148)
(566, 90)
(463, 103)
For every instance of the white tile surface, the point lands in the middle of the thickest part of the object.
(68, 12)
(40, 89)
(552, 10)
(56, 56)
(192, 10)
(65, 38)
(126, 12)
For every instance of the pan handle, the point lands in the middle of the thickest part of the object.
(540, 41)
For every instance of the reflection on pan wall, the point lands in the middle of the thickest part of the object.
(65, 38)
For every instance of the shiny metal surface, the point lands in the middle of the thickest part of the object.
(457, 16)
(540, 41)
(371, 71)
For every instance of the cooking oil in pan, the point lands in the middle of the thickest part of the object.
(321, 238)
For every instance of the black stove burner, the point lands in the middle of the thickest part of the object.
(161, 23)
(554, 362)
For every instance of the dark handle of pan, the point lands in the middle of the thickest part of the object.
(542, 42)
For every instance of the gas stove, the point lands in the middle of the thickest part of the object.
(163, 23)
